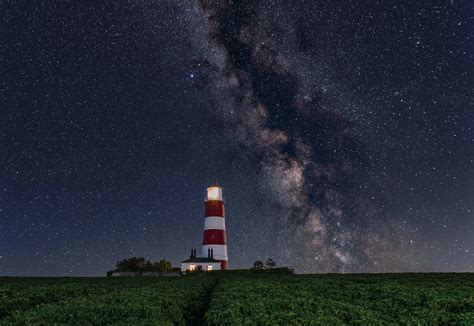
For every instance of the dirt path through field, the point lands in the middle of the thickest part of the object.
(195, 315)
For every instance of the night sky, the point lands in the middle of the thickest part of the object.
(340, 131)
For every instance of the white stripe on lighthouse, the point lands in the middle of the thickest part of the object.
(214, 223)
(220, 251)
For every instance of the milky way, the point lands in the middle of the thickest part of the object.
(317, 151)
(313, 157)
(340, 131)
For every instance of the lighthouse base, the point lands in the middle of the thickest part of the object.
(224, 264)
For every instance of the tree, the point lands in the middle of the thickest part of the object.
(258, 264)
(148, 266)
(163, 266)
(135, 264)
(270, 263)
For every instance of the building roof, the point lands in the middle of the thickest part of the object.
(201, 260)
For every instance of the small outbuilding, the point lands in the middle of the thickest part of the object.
(201, 263)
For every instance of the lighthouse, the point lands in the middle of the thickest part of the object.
(215, 238)
(214, 242)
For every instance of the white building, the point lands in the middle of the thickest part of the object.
(207, 263)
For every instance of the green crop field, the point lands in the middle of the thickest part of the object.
(241, 298)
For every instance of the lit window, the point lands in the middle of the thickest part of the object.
(192, 267)
(214, 193)
(209, 267)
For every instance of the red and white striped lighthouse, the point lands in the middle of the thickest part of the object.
(215, 238)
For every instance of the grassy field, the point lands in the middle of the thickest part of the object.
(241, 298)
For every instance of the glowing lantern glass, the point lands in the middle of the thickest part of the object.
(214, 193)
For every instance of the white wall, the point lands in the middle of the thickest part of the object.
(215, 266)
(220, 251)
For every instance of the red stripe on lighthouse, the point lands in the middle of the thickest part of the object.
(214, 208)
(213, 237)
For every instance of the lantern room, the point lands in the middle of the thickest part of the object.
(214, 193)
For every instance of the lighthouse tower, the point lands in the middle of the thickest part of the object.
(215, 239)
